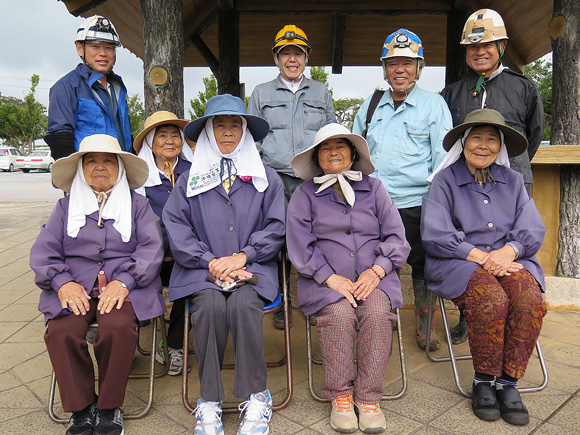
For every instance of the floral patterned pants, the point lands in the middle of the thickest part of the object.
(504, 317)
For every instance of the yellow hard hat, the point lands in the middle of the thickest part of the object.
(291, 35)
(484, 25)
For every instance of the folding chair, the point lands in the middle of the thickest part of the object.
(312, 360)
(282, 298)
(151, 375)
(454, 358)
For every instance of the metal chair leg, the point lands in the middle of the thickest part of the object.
(454, 358)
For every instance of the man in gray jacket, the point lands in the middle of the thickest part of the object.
(296, 108)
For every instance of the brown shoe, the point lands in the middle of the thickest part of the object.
(371, 418)
(342, 416)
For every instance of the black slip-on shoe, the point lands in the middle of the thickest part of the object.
(484, 402)
(511, 407)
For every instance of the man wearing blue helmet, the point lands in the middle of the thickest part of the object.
(405, 133)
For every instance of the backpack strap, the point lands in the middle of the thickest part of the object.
(377, 95)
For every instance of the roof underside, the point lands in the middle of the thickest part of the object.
(366, 25)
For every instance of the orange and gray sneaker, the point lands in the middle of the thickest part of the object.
(342, 416)
(371, 418)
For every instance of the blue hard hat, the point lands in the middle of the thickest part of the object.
(402, 43)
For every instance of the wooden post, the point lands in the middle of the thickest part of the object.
(163, 59)
(565, 128)
(228, 76)
(455, 66)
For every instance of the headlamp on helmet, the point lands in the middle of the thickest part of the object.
(484, 25)
(98, 29)
(291, 35)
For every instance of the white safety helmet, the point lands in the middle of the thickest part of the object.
(484, 25)
(98, 29)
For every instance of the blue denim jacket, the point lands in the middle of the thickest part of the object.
(294, 119)
(406, 144)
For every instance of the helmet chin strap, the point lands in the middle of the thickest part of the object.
(85, 61)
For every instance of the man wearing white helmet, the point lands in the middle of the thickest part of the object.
(295, 106)
(405, 131)
(490, 85)
(91, 98)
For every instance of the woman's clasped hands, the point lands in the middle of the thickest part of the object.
(366, 283)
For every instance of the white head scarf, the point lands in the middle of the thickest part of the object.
(205, 171)
(457, 149)
(83, 202)
(146, 153)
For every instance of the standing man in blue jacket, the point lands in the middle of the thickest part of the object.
(405, 136)
(295, 106)
(90, 99)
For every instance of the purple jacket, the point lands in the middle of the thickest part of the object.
(325, 236)
(57, 258)
(459, 215)
(216, 224)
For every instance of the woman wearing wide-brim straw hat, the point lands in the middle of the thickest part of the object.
(100, 247)
(346, 239)
(481, 232)
(168, 154)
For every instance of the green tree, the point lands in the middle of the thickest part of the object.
(346, 109)
(540, 72)
(319, 73)
(136, 114)
(23, 121)
(198, 104)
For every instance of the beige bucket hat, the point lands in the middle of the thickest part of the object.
(161, 117)
(307, 169)
(65, 169)
(515, 142)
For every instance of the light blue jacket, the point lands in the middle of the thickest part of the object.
(294, 119)
(406, 145)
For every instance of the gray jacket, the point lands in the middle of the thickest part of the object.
(294, 119)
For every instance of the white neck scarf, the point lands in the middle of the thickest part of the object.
(146, 153)
(328, 180)
(83, 202)
(244, 161)
(457, 149)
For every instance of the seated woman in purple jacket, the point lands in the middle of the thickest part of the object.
(225, 221)
(481, 232)
(346, 239)
(168, 154)
(97, 259)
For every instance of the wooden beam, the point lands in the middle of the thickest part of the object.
(225, 5)
(205, 52)
(338, 43)
(381, 12)
(228, 76)
(202, 27)
(455, 66)
(87, 7)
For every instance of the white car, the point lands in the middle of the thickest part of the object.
(39, 159)
(8, 156)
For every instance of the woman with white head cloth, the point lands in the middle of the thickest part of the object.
(97, 258)
(481, 232)
(225, 221)
(168, 154)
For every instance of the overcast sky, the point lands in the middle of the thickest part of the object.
(37, 37)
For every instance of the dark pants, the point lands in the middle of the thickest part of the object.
(114, 346)
(176, 316)
(214, 314)
(411, 218)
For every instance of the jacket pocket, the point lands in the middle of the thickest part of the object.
(314, 115)
(277, 114)
(418, 133)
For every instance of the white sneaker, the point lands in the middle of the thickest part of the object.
(257, 412)
(175, 359)
(209, 418)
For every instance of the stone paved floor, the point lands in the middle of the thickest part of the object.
(432, 404)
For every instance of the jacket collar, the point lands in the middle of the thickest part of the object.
(463, 176)
(281, 85)
(412, 99)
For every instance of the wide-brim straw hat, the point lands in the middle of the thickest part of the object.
(515, 142)
(227, 104)
(161, 117)
(307, 169)
(65, 169)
